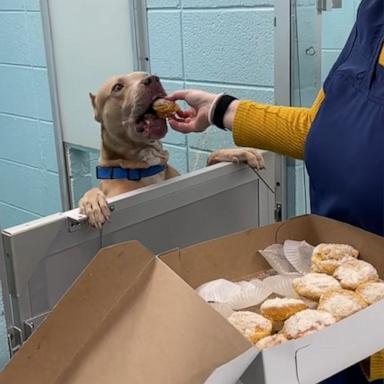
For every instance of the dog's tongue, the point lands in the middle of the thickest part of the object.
(155, 128)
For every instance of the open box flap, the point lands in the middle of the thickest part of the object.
(128, 319)
(231, 372)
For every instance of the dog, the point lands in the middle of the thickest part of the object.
(132, 155)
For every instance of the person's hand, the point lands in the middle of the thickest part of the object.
(194, 119)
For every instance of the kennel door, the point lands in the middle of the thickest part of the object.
(42, 258)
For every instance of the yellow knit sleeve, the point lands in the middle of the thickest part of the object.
(274, 128)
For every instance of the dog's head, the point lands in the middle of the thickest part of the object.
(123, 106)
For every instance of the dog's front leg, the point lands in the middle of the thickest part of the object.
(94, 205)
(250, 156)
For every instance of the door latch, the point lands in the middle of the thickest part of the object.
(327, 5)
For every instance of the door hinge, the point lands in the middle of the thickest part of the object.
(15, 339)
(278, 212)
(327, 5)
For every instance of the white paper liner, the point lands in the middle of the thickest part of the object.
(299, 254)
(274, 255)
(282, 285)
(225, 310)
(219, 291)
(250, 297)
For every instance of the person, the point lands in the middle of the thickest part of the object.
(340, 137)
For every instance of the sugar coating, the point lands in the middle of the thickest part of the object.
(252, 325)
(313, 285)
(372, 292)
(271, 341)
(280, 303)
(334, 251)
(341, 303)
(327, 257)
(355, 272)
(306, 322)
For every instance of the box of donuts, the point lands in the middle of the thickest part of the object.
(292, 302)
(306, 293)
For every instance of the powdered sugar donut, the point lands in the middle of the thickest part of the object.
(281, 308)
(313, 285)
(306, 322)
(327, 257)
(252, 325)
(352, 273)
(371, 292)
(271, 341)
(341, 303)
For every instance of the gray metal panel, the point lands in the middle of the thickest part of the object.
(47, 255)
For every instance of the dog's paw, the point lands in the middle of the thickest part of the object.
(250, 156)
(94, 205)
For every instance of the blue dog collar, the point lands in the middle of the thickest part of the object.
(135, 174)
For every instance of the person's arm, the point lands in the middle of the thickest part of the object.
(275, 128)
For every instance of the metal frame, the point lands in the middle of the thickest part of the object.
(282, 90)
(140, 39)
(51, 67)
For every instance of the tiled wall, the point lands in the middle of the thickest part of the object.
(28, 164)
(218, 46)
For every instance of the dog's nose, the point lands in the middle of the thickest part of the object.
(148, 80)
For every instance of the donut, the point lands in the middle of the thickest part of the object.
(252, 325)
(341, 303)
(271, 341)
(165, 108)
(306, 322)
(313, 285)
(352, 273)
(281, 308)
(327, 257)
(371, 292)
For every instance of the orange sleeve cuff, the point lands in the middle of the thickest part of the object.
(274, 128)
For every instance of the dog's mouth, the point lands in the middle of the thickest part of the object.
(150, 125)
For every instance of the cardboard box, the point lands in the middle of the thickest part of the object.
(135, 318)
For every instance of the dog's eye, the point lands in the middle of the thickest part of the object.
(117, 87)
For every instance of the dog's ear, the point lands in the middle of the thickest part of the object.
(93, 102)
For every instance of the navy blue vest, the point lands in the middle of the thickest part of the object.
(344, 152)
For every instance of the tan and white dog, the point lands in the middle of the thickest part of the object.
(130, 139)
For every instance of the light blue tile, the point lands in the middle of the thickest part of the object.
(47, 143)
(231, 46)
(11, 5)
(28, 141)
(17, 91)
(165, 43)
(52, 196)
(163, 4)
(9, 217)
(177, 158)
(42, 93)
(30, 189)
(20, 140)
(13, 38)
(32, 5)
(337, 25)
(225, 3)
(328, 58)
(213, 138)
(36, 39)
(259, 94)
(197, 160)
